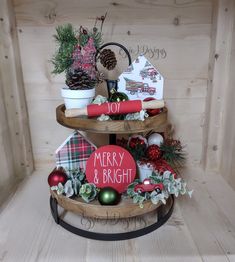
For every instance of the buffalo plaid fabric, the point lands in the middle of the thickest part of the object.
(74, 153)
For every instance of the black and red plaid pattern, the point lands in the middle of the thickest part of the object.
(74, 152)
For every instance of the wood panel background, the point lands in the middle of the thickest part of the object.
(228, 132)
(16, 159)
(174, 34)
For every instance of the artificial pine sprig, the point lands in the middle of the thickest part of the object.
(65, 34)
(66, 39)
(138, 152)
(173, 152)
(85, 35)
(97, 36)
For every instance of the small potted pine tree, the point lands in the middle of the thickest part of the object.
(75, 56)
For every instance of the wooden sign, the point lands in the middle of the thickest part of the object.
(112, 166)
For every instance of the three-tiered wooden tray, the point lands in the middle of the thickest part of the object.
(126, 209)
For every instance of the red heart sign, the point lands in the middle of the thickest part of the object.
(111, 166)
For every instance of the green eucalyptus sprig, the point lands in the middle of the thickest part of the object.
(172, 185)
(76, 178)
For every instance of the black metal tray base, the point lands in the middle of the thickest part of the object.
(164, 212)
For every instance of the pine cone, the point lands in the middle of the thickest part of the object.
(108, 59)
(173, 143)
(78, 79)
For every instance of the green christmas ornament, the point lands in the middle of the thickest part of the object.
(109, 196)
(117, 97)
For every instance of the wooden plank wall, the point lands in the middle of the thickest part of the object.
(6, 160)
(218, 88)
(174, 34)
(227, 163)
(16, 159)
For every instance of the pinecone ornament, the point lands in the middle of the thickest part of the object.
(173, 143)
(79, 79)
(108, 59)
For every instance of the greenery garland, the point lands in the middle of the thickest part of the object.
(77, 185)
(172, 185)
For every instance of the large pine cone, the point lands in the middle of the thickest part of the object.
(108, 59)
(79, 79)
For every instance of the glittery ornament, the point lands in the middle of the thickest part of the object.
(153, 152)
(161, 166)
(137, 145)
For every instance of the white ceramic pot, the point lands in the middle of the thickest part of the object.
(144, 170)
(77, 98)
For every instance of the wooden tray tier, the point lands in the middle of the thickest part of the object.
(125, 209)
(93, 125)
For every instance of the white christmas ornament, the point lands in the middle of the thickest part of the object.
(155, 139)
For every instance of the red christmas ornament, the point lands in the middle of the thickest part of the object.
(161, 166)
(152, 112)
(56, 177)
(135, 141)
(153, 152)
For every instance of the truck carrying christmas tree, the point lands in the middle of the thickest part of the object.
(138, 87)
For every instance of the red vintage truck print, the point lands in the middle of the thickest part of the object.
(139, 87)
(149, 73)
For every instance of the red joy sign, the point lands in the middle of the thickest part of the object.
(111, 166)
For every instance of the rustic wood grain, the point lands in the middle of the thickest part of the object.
(16, 152)
(218, 88)
(200, 229)
(182, 29)
(228, 127)
(125, 209)
(44, 13)
(93, 125)
(216, 219)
